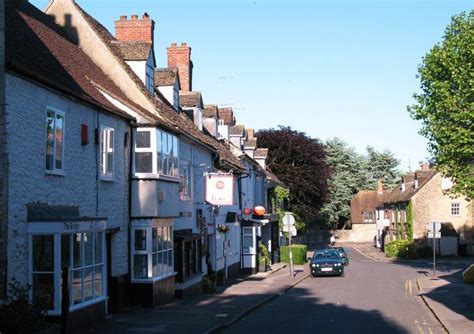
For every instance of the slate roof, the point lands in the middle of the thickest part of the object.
(167, 117)
(399, 196)
(366, 200)
(210, 111)
(227, 115)
(38, 48)
(237, 130)
(190, 99)
(165, 76)
(134, 51)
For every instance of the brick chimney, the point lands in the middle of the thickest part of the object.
(134, 29)
(425, 166)
(250, 133)
(379, 186)
(180, 57)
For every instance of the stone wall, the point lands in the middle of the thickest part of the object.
(358, 233)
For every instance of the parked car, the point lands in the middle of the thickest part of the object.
(343, 254)
(326, 262)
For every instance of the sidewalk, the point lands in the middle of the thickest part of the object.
(451, 300)
(207, 313)
(375, 254)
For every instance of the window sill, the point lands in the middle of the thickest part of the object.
(153, 279)
(149, 176)
(107, 178)
(55, 173)
(77, 307)
(186, 199)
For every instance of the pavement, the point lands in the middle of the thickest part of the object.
(446, 295)
(208, 313)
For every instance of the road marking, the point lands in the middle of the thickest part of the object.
(410, 288)
(431, 332)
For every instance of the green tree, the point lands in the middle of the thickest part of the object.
(381, 166)
(445, 104)
(300, 162)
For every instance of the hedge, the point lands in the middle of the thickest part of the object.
(299, 254)
(406, 249)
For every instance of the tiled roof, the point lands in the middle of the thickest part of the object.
(38, 48)
(210, 111)
(165, 76)
(227, 115)
(134, 50)
(237, 130)
(366, 200)
(261, 153)
(190, 99)
(399, 196)
(167, 117)
(252, 142)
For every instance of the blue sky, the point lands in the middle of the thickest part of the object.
(329, 68)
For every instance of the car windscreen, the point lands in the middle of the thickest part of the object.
(332, 255)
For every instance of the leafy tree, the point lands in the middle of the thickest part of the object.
(298, 161)
(445, 105)
(352, 172)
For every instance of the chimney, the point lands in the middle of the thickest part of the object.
(425, 166)
(180, 57)
(379, 186)
(250, 133)
(135, 29)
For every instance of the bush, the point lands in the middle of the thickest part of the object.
(406, 249)
(299, 254)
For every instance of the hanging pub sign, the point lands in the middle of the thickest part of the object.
(220, 189)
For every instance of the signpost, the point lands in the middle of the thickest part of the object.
(289, 226)
(434, 232)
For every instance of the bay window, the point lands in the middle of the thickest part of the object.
(78, 247)
(156, 153)
(152, 252)
(54, 141)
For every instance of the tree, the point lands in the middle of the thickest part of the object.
(298, 161)
(445, 105)
(351, 172)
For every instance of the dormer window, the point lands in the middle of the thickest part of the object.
(150, 78)
(155, 153)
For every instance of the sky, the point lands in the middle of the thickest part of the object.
(334, 68)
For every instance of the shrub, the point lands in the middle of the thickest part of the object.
(299, 254)
(406, 249)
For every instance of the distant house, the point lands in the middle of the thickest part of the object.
(420, 198)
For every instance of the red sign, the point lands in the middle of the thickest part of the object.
(220, 189)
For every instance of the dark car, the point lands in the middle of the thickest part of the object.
(343, 254)
(326, 262)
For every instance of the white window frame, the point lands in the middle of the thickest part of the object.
(57, 229)
(455, 206)
(150, 252)
(245, 233)
(156, 154)
(104, 174)
(55, 171)
(186, 176)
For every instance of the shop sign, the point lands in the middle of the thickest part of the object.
(220, 189)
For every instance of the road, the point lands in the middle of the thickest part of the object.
(373, 297)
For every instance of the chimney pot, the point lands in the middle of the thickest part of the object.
(134, 30)
(173, 45)
(123, 17)
(180, 57)
(134, 17)
(146, 16)
(184, 44)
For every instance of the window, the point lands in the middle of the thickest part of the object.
(368, 217)
(152, 252)
(248, 240)
(455, 209)
(220, 122)
(54, 141)
(163, 159)
(107, 153)
(150, 81)
(185, 174)
(82, 253)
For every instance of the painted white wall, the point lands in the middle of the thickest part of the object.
(26, 121)
(139, 67)
(223, 132)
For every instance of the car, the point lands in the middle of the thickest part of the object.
(326, 262)
(343, 254)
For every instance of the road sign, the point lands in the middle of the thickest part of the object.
(288, 219)
(434, 226)
(436, 235)
(293, 231)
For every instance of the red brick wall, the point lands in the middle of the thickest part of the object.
(180, 57)
(134, 29)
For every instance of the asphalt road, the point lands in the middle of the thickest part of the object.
(373, 297)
